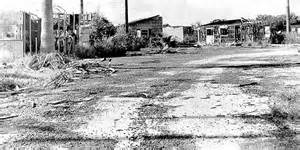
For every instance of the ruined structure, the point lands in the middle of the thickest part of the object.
(20, 33)
(232, 31)
(180, 33)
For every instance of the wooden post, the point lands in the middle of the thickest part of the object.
(30, 35)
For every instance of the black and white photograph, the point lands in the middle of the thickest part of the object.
(149, 75)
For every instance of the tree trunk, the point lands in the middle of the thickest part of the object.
(47, 35)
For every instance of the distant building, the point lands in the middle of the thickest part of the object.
(147, 27)
(295, 27)
(222, 31)
(180, 33)
(20, 33)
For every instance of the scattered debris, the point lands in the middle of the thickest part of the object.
(68, 71)
(62, 78)
(53, 61)
(249, 84)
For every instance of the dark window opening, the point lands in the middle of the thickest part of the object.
(144, 32)
(210, 32)
(224, 31)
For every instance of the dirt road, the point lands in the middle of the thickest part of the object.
(235, 99)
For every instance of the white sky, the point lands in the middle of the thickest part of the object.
(174, 12)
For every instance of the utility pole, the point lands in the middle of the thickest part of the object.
(81, 7)
(288, 17)
(126, 16)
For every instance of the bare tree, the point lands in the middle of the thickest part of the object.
(47, 35)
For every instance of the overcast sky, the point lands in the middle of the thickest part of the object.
(174, 12)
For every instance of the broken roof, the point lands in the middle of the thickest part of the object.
(226, 22)
(144, 19)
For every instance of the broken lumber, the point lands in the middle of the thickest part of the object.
(249, 84)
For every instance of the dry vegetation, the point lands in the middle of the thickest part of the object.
(46, 71)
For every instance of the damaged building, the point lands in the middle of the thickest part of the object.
(180, 33)
(20, 33)
(222, 31)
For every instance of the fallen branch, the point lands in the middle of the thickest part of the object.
(8, 117)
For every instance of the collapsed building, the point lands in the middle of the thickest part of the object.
(20, 33)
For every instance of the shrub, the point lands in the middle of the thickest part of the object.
(111, 47)
(190, 39)
(102, 28)
(84, 52)
(109, 41)
(157, 41)
(118, 45)
(135, 43)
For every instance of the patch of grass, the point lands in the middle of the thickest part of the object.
(286, 105)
